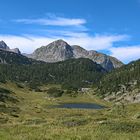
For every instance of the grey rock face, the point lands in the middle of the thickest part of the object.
(15, 50)
(106, 61)
(54, 52)
(60, 50)
(3, 46)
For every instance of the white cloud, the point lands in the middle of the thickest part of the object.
(29, 43)
(98, 42)
(26, 44)
(75, 33)
(126, 53)
(54, 21)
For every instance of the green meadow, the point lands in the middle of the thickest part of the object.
(28, 116)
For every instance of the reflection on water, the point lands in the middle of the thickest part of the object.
(80, 106)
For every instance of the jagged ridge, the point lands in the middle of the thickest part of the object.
(60, 50)
(3, 46)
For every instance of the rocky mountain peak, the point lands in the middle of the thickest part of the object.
(60, 50)
(3, 46)
(60, 44)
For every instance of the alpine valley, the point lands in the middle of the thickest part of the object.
(34, 87)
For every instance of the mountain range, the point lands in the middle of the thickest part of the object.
(60, 50)
(72, 66)
(3, 46)
(14, 56)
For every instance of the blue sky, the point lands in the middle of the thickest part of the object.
(108, 26)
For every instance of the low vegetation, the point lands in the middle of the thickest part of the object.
(55, 92)
(28, 92)
(31, 118)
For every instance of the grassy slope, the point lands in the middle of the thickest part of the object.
(36, 121)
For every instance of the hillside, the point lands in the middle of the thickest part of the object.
(76, 72)
(14, 56)
(29, 115)
(122, 83)
(7, 57)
